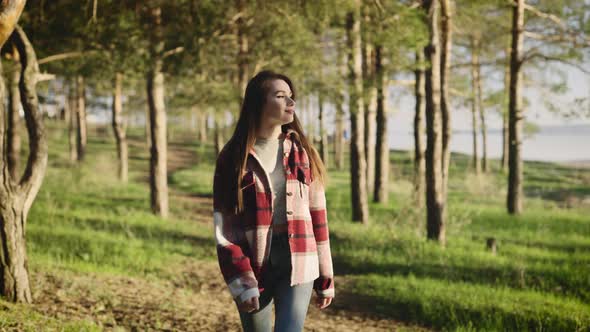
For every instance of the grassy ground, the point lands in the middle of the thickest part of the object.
(91, 239)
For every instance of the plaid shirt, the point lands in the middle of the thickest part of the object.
(243, 240)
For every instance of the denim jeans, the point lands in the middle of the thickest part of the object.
(291, 302)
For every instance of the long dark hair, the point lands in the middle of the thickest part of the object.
(244, 136)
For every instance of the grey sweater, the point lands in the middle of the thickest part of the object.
(270, 153)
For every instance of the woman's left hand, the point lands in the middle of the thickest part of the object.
(322, 302)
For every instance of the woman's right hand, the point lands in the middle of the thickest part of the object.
(249, 305)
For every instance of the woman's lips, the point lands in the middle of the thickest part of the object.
(290, 111)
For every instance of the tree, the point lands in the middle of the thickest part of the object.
(17, 195)
(358, 163)
(419, 162)
(435, 199)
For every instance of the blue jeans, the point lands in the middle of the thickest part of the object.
(291, 302)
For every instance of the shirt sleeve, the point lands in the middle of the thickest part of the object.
(324, 284)
(231, 242)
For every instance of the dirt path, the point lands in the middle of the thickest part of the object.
(194, 298)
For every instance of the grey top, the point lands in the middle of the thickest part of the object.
(270, 153)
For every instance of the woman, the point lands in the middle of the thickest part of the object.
(270, 211)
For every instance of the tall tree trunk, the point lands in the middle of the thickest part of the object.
(71, 115)
(419, 146)
(339, 118)
(482, 120)
(13, 141)
(435, 199)
(119, 129)
(242, 39)
(155, 93)
(323, 131)
(514, 197)
(370, 109)
(505, 145)
(17, 195)
(358, 162)
(82, 132)
(445, 68)
(475, 104)
(218, 135)
(203, 116)
(381, 188)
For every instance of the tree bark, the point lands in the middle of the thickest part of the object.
(119, 129)
(13, 141)
(482, 120)
(203, 116)
(445, 70)
(17, 195)
(82, 132)
(370, 109)
(435, 200)
(381, 188)
(155, 93)
(475, 105)
(358, 162)
(218, 135)
(71, 115)
(9, 14)
(505, 145)
(323, 131)
(419, 162)
(514, 197)
(339, 119)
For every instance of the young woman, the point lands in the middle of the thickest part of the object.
(270, 211)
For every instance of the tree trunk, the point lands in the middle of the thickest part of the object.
(445, 69)
(419, 162)
(381, 188)
(482, 120)
(242, 39)
(13, 141)
(514, 197)
(505, 112)
(358, 163)
(435, 202)
(71, 120)
(81, 137)
(339, 119)
(323, 131)
(119, 129)
(475, 104)
(17, 195)
(370, 109)
(218, 135)
(203, 116)
(155, 93)
(9, 14)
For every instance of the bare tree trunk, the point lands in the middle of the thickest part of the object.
(9, 14)
(435, 199)
(419, 162)
(218, 135)
(482, 120)
(381, 188)
(514, 197)
(475, 104)
(155, 93)
(203, 126)
(242, 39)
(72, 120)
(370, 109)
(323, 131)
(119, 129)
(339, 119)
(13, 141)
(17, 195)
(358, 163)
(445, 69)
(505, 145)
(82, 132)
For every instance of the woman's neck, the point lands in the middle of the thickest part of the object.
(269, 132)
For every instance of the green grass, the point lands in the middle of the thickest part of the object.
(85, 221)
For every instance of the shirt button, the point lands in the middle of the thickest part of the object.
(288, 172)
(286, 154)
(289, 212)
(290, 235)
(289, 193)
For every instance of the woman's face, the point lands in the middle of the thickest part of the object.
(279, 108)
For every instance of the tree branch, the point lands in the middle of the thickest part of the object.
(173, 51)
(534, 55)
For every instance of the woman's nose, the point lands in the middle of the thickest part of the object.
(290, 101)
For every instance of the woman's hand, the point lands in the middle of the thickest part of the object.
(249, 305)
(322, 302)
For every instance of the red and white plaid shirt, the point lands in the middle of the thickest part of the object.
(243, 240)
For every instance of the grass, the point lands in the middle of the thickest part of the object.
(85, 221)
